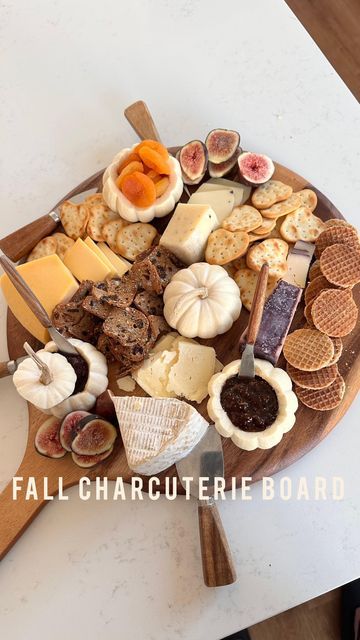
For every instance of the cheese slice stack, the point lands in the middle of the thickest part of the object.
(157, 432)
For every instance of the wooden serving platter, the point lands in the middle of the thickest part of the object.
(310, 428)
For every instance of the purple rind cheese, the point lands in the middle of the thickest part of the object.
(278, 314)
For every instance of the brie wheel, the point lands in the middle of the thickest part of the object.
(279, 380)
(116, 200)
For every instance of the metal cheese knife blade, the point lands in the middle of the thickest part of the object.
(206, 461)
(35, 305)
(19, 243)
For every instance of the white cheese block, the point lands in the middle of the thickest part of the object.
(298, 263)
(221, 201)
(165, 342)
(153, 374)
(241, 191)
(157, 432)
(190, 374)
(188, 230)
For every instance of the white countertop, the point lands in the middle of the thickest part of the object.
(105, 569)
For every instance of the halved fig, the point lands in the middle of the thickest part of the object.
(95, 436)
(222, 144)
(193, 160)
(223, 168)
(255, 168)
(70, 427)
(47, 440)
(90, 461)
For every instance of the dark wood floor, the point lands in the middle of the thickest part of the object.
(335, 27)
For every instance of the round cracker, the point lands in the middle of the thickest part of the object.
(338, 234)
(135, 238)
(269, 193)
(281, 209)
(308, 198)
(319, 379)
(45, 247)
(74, 219)
(224, 246)
(110, 231)
(301, 225)
(266, 226)
(340, 264)
(243, 218)
(308, 349)
(63, 243)
(246, 279)
(271, 251)
(334, 312)
(323, 399)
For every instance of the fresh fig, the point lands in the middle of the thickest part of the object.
(95, 436)
(255, 168)
(193, 160)
(104, 408)
(70, 427)
(47, 439)
(223, 168)
(90, 461)
(222, 144)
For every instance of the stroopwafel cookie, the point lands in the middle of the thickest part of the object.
(323, 399)
(340, 264)
(315, 287)
(315, 270)
(307, 314)
(313, 379)
(338, 234)
(334, 312)
(338, 349)
(308, 349)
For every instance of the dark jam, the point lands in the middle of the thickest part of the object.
(250, 403)
(81, 369)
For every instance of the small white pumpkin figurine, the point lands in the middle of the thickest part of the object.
(44, 379)
(202, 301)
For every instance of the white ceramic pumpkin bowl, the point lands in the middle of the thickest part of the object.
(280, 381)
(116, 200)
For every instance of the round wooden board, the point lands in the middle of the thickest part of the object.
(310, 428)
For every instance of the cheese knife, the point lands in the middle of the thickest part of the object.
(206, 461)
(247, 366)
(35, 305)
(19, 243)
(8, 368)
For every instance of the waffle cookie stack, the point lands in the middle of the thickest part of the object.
(312, 353)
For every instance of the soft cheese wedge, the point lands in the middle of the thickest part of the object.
(157, 432)
(50, 281)
(188, 230)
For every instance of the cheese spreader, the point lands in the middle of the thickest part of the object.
(206, 461)
(35, 305)
(18, 244)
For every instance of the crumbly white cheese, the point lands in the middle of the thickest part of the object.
(157, 432)
(190, 374)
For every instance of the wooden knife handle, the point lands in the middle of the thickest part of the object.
(139, 116)
(19, 243)
(257, 306)
(25, 291)
(4, 370)
(217, 562)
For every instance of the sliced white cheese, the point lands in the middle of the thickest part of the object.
(221, 201)
(241, 191)
(157, 432)
(298, 263)
(119, 263)
(153, 374)
(188, 230)
(126, 384)
(190, 374)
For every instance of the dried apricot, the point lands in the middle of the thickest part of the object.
(139, 189)
(130, 168)
(155, 145)
(154, 160)
(132, 157)
(161, 186)
(155, 177)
